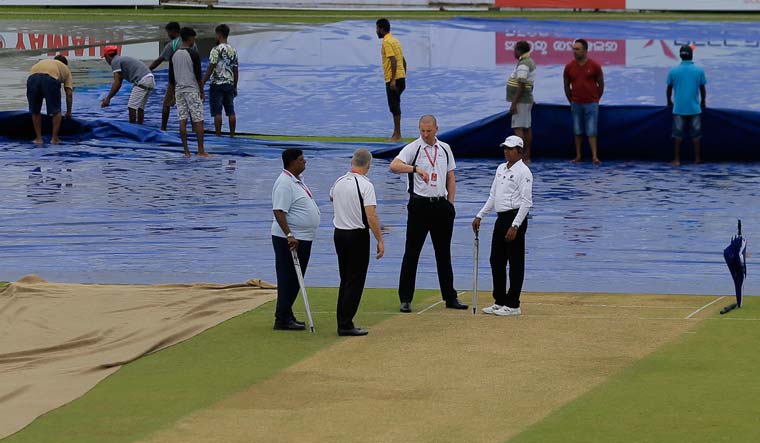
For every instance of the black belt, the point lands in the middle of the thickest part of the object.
(508, 211)
(428, 199)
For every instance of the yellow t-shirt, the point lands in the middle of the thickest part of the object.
(55, 69)
(392, 48)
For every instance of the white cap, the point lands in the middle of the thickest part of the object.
(512, 141)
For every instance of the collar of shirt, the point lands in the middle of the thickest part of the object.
(506, 165)
(526, 55)
(423, 143)
(299, 182)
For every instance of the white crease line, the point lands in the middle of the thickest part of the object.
(703, 307)
(455, 315)
(430, 307)
(590, 305)
(438, 303)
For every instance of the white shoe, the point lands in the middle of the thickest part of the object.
(492, 308)
(506, 311)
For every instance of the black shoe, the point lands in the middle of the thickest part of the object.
(405, 307)
(454, 303)
(353, 332)
(299, 322)
(290, 325)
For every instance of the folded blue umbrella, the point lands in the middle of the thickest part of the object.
(736, 259)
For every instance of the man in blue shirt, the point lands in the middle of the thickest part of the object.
(688, 80)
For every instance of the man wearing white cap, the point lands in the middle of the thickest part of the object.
(512, 197)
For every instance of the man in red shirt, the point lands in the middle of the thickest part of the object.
(584, 86)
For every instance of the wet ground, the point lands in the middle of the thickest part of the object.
(96, 214)
(104, 211)
(326, 79)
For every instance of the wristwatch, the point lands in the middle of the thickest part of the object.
(516, 226)
(290, 234)
(414, 169)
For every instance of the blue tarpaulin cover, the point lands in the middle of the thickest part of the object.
(625, 133)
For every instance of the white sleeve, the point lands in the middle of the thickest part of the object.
(490, 202)
(407, 154)
(526, 198)
(369, 195)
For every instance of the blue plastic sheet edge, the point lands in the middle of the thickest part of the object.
(626, 132)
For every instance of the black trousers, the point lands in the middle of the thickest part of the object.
(287, 280)
(512, 253)
(423, 217)
(352, 247)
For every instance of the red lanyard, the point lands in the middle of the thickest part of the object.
(435, 156)
(305, 188)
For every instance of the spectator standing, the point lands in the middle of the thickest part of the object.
(584, 86)
(520, 95)
(223, 71)
(394, 72)
(688, 81)
(185, 74)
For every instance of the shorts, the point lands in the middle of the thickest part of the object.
(221, 96)
(169, 99)
(683, 122)
(521, 118)
(141, 91)
(585, 118)
(43, 87)
(394, 97)
(189, 103)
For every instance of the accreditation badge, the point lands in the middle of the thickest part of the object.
(434, 179)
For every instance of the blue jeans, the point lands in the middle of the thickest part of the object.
(222, 96)
(683, 122)
(585, 118)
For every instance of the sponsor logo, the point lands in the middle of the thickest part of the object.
(547, 50)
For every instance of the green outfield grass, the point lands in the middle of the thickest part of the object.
(153, 392)
(3, 284)
(326, 16)
(701, 388)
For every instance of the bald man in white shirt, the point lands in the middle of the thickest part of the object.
(511, 197)
(429, 165)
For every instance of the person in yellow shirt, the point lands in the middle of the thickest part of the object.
(44, 83)
(394, 72)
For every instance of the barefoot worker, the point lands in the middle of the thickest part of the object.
(44, 83)
(135, 72)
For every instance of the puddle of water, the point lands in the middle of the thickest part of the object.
(136, 216)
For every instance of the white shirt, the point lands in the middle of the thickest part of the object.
(432, 159)
(512, 188)
(345, 198)
(293, 197)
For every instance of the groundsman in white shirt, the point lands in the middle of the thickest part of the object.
(511, 197)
